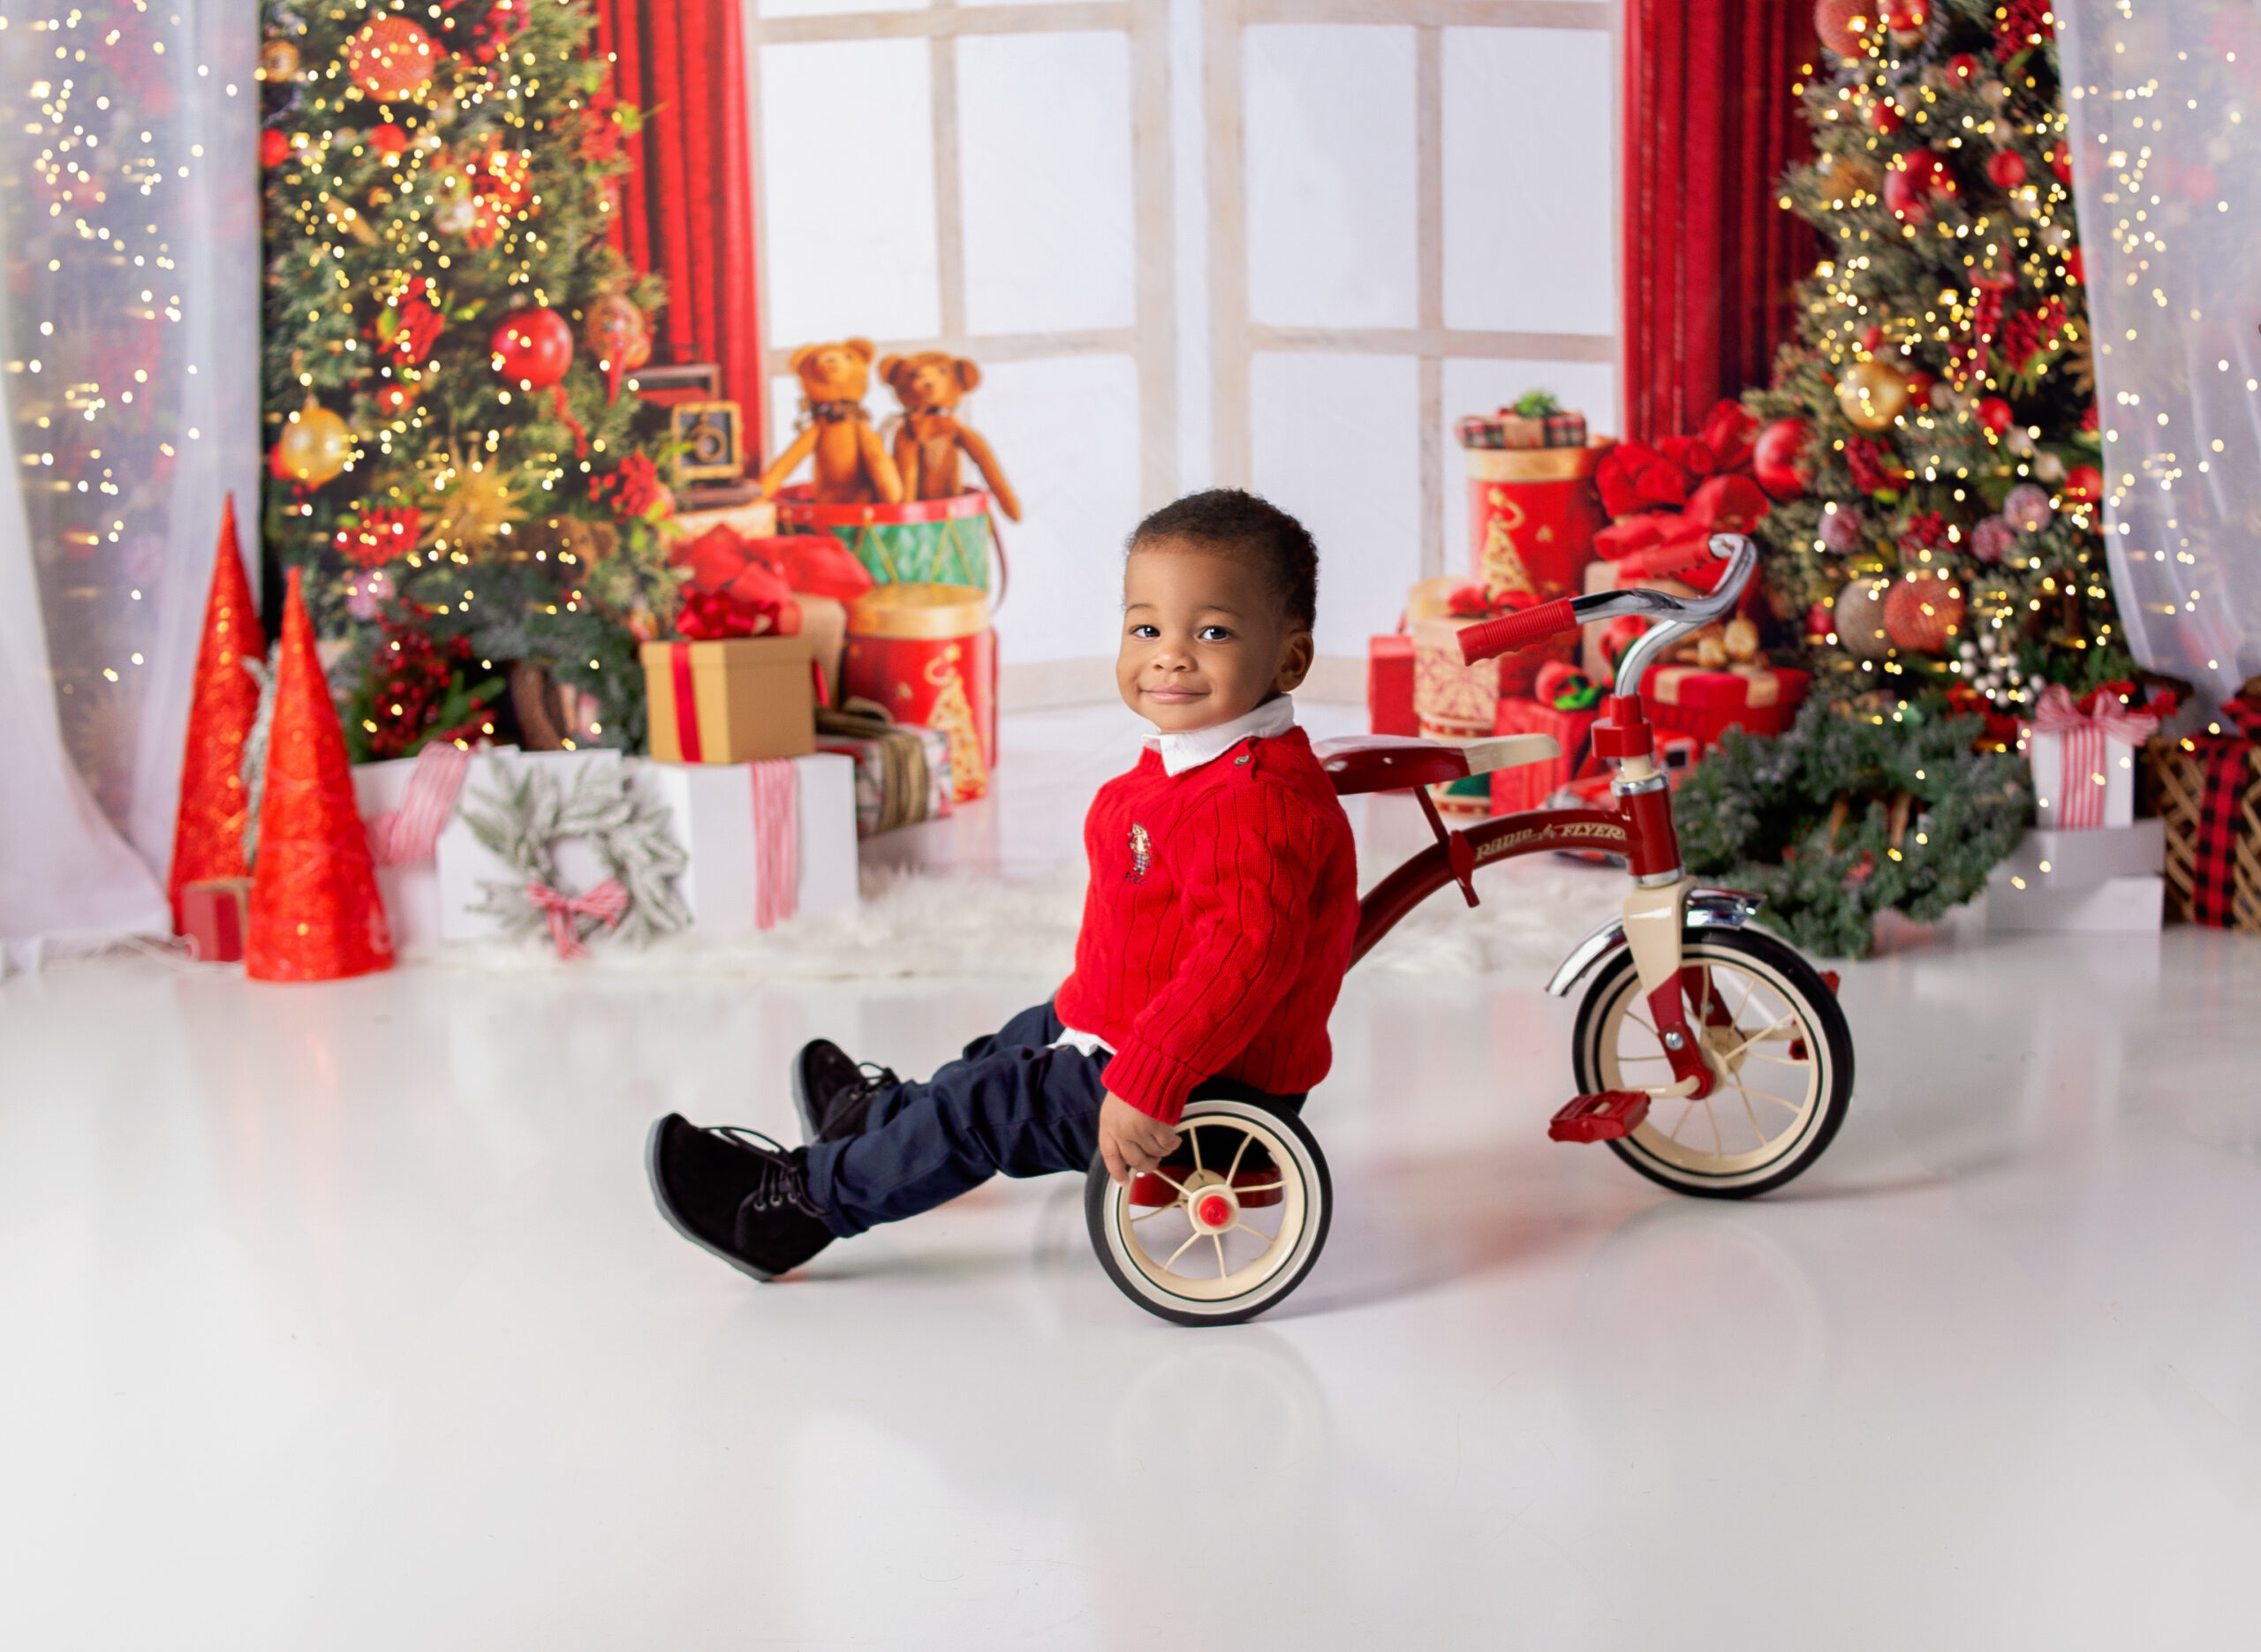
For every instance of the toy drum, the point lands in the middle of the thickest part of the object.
(1531, 517)
(927, 653)
(921, 542)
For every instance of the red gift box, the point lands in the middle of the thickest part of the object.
(1389, 686)
(1689, 700)
(1529, 785)
(212, 914)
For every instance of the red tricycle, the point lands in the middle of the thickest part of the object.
(1709, 1055)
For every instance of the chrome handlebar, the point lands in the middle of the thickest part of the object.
(1674, 618)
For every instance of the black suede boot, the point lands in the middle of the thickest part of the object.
(736, 1193)
(832, 1093)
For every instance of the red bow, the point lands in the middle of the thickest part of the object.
(712, 617)
(1634, 476)
(2055, 713)
(607, 901)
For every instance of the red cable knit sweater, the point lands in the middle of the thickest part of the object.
(1217, 924)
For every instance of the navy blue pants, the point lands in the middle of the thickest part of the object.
(1011, 1104)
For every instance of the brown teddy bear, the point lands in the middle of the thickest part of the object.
(930, 385)
(853, 467)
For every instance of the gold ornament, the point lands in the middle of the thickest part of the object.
(1741, 639)
(314, 445)
(473, 502)
(1859, 620)
(278, 62)
(1872, 395)
(1847, 177)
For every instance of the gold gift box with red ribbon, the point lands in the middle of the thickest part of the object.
(737, 700)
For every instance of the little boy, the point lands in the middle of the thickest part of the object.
(1217, 926)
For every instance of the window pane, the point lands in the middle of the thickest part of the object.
(1331, 190)
(1066, 433)
(1529, 181)
(848, 160)
(1044, 144)
(1337, 442)
(1484, 386)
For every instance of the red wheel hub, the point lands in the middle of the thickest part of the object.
(1213, 1211)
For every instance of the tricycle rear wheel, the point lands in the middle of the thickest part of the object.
(1230, 1224)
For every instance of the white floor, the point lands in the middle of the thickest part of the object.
(337, 1317)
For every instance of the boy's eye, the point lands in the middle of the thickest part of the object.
(1148, 631)
(1215, 634)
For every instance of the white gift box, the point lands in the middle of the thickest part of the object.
(710, 812)
(2113, 774)
(411, 891)
(2104, 880)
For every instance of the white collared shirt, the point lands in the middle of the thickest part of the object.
(1196, 746)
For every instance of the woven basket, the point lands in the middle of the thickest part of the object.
(2176, 782)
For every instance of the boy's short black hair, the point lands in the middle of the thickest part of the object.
(1241, 524)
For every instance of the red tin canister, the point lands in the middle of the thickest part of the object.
(927, 654)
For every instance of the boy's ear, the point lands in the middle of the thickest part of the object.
(1295, 663)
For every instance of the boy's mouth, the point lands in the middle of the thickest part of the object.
(1175, 697)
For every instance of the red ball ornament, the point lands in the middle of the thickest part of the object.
(532, 348)
(391, 60)
(2060, 161)
(617, 335)
(1905, 198)
(1920, 386)
(388, 138)
(1779, 461)
(1885, 117)
(2007, 169)
(1819, 622)
(2075, 267)
(1847, 27)
(1963, 68)
(1907, 18)
(2084, 485)
(1995, 415)
(274, 147)
(1873, 338)
(1922, 611)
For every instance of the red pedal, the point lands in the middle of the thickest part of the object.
(1611, 1114)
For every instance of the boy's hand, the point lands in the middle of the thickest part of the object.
(1131, 1141)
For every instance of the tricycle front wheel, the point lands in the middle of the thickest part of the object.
(1230, 1224)
(1781, 1054)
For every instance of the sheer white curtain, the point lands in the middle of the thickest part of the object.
(2165, 101)
(129, 233)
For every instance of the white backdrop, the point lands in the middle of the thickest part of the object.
(129, 227)
(2165, 99)
(1026, 176)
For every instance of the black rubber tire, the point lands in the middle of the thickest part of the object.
(1822, 1024)
(1102, 1203)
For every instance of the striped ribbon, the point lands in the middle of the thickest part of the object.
(406, 835)
(2082, 738)
(776, 841)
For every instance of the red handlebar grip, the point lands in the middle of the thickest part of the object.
(1517, 630)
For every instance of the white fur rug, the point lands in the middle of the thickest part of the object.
(969, 924)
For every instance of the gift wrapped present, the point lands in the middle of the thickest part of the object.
(903, 769)
(213, 916)
(2098, 880)
(1447, 688)
(1389, 686)
(405, 804)
(1705, 704)
(2083, 756)
(762, 841)
(927, 653)
(1531, 517)
(2207, 791)
(732, 700)
(1565, 704)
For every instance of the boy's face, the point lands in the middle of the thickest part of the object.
(1203, 639)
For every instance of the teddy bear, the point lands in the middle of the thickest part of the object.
(930, 385)
(853, 466)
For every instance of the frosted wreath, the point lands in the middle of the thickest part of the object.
(524, 824)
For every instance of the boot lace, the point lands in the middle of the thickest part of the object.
(779, 1183)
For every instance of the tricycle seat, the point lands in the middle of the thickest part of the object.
(1391, 762)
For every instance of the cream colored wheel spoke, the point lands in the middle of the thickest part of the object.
(1780, 1060)
(1159, 1210)
(1264, 1187)
(1217, 1239)
(1181, 1249)
(1253, 1233)
(1193, 1139)
(1728, 1055)
(1239, 1154)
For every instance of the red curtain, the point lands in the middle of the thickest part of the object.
(1709, 125)
(687, 210)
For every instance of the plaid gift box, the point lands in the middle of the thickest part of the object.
(1529, 785)
(2207, 791)
(1566, 430)
(1691, 700)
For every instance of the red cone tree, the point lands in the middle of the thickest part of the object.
(208, 832)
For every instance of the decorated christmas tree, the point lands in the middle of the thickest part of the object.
(460, 470)
(1934, 427)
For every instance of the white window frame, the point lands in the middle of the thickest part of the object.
(1235, 340)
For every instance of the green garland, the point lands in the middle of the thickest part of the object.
(1863, 806)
